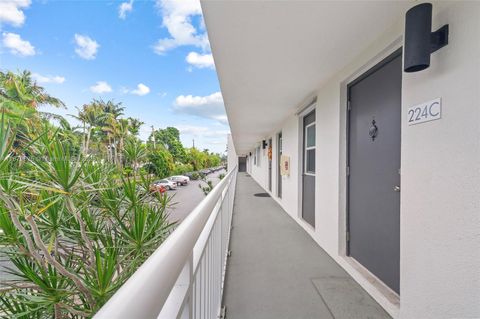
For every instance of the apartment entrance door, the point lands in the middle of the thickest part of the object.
(270, 155)
(242, 164)
(308, 185)
(374, 127)
(279, 164)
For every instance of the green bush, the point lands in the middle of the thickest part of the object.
(160, 163)
(74, 229)
(181, 169)
(195, 176)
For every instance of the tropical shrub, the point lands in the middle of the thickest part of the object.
(207, 187)
(181, 169)
(76, 214)
(160, 163)
(195, 176)
(73, 229)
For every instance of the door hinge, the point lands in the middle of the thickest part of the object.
(348, 236)
(348, 170)
(349, 106)
(223, 313)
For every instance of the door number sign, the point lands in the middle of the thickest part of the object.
(425, 112)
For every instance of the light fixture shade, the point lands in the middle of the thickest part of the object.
(419, 41)
(418, 27)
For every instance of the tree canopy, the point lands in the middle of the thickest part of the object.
(77, 215)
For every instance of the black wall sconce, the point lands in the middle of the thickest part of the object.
(420, 41)
(264, 144)
(250, 153)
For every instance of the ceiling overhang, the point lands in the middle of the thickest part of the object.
(272, 55)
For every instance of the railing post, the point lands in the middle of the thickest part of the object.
(190, 301)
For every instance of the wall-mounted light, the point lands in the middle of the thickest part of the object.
(250, 153)
(264, 144)
(420, 41)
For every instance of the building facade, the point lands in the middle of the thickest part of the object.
(381, 167)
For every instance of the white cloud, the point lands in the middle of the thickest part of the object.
(205, 137)
(11, 11)
(202, 131)
(48, 79)
(124, 8)
(86, 47)
(210, 106)
(177, 18)
(17, 45)
(101, 87)
(200, 60)
(141, 90)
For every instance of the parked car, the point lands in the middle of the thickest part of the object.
(169, 185)
(180, 179)
(157, 188)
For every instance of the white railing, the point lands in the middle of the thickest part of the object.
(184, 277)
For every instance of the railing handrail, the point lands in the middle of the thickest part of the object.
(144, 294)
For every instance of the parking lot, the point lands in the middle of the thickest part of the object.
(185, 198)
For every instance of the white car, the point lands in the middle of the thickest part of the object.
(169, 185)
(180, 179)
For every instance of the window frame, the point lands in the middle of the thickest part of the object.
(308, 148)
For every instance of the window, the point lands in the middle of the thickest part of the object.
(310, 149)
(258, 155)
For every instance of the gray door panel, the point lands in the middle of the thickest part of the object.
(242, 164)
(308, 184)
(374, 161)
(279, 155)
(270, 167)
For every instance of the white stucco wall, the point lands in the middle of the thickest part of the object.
(289, 199)
(440, 174)
(440, 221)
(232, 158)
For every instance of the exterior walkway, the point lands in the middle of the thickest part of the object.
(277, 271)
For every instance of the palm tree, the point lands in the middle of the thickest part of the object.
(135, 151)
(91, 115)
(123, 129)
(21, 89)
(135, 125)
(20, 97)
(110, 128)
(112, 108)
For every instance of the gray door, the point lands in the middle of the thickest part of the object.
(242, 164)
(279, 164)
(270, 164)
(308, 155)
(374, 170)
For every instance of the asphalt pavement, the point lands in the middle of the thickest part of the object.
(186, 198)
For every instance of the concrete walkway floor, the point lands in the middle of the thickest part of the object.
(277, 271)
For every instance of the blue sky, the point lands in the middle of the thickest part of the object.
(153, 56)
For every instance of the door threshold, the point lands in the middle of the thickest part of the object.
(383, 294)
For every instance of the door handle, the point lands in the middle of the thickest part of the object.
(396, 188)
